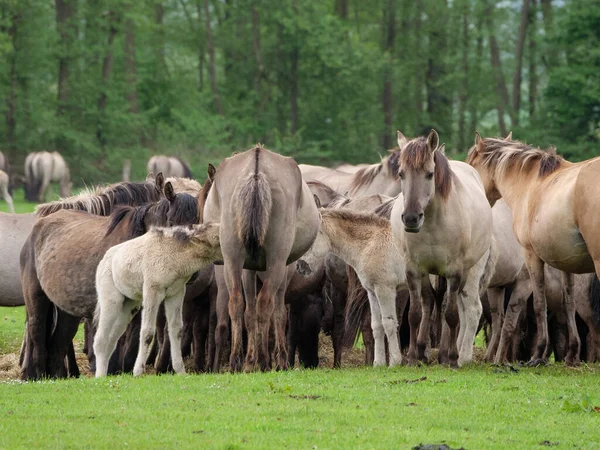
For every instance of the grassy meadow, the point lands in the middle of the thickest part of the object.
(476, 407)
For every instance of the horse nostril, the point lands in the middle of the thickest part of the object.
(421, 215)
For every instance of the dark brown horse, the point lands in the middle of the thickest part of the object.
(58, 266)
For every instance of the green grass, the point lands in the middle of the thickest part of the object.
(21, 205)
(473, 408)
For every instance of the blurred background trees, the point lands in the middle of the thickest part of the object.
(323, 81)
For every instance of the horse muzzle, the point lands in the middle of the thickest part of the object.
(412, 222)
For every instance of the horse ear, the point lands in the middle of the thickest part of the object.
(150, 177)
(477, 139)
(401, 139)
(317, 201)
(441, 149)
(169, 192)
(160, 180)
(433, 140)
(509, 137)
(211, 172)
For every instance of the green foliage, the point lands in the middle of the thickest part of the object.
(337, 86)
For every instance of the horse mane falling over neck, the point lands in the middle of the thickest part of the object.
(501, 155)
(417, 153)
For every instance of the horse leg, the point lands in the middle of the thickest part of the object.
(386, 298)
(61, 339)
(249, 283)
(39, 311)
(200, 335)
(190, 313)
(72, 368)
(451, 315)
(115, 314)
(265, 306)
(414, 313)
(163, 359)
(471, 306)
(173, 311)
(281, 354)
(212, 325)
(338, 300)
(131, 343)
(233, 276)
(151, 302)
(427, 300)
(222, 318)
(377, 329)
(536, 272)
(496, 301)
(572, 357)
(8, 199)
(518, 299)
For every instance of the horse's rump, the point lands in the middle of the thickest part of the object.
(253, 210)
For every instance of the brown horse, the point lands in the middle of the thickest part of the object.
(56, 270)
(555, 216)
(268, 219)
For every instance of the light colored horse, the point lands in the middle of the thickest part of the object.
(555, 216)
(143, 273)
(170, 166)
(365, 242)
(444, 224)
(4, 181)
(42, 168)
(351, 168)
(268, 219)
(378, 178)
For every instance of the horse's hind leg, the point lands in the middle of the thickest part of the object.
(115, 315)
(233, 278)
(281, 355)
(414, 313)
(151, 303)
(427, 301)
(201, 329)
(496, 301)
(249, 283)
(536, 272)
(572, 357)
(173, 309)
(222, 318)
(61, 340)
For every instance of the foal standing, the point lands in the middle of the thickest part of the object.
(144, 272)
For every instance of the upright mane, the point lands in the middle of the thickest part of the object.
(385, 209)
(355, 217)
(187, 185)
(134, 214)
(416, 154)
(102, 200)
(501, 155)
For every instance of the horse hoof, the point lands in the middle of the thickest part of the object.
(413, 363)
(454, 364)
(537, 362)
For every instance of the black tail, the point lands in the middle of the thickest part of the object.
(187, 173)
(357, 306)
(595, 299)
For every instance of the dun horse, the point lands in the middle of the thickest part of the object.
(42, 168)
(555, 217)
(170, 166)
(144, 272)
(444, 224)
(268, 220)
(4, 185)
(56, 268)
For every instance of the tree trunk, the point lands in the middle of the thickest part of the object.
(551, 51)
(260, 69)
(387, 101)
(464, 88)
(516, 94)
(201, 49)
(130, 67)
(11, 98)
(418, 90)
(211, 60)
(503, 100)
(107, 64)
(476, 78)
(159, 13)
(294, 58)
(439, 103)
(341, 9)
(533, 79)
(65, 10)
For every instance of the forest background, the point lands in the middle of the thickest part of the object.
(324, 81)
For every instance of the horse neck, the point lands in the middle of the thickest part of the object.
(343, 243)
(514, 186)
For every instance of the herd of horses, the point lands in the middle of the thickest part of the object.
(416, 252)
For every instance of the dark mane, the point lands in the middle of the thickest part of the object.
(102, 201)
(393, 161)
(183, 211)
(202, 196)
(416, 154)
(501, 155)
(134, 214)
(385, 209)
(365, 176)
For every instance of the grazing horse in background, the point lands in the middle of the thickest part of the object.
(381, 178)
(55, 268)
(4, 186)
(268, 220)
(556, 211)
(143, 273)
(443, 222)
(170, 166)
(42, 168)
(5, 166)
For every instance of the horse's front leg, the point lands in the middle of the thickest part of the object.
(173, 311)
(472, 309)
(414, 312)
(386, 297)
(249, 283)
(377, 328)
(451, 315)
(535, 266)
(572, 358)
(152, 300)
(427, 300)
(496, 300)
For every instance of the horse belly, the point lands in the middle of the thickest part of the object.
(566, 251)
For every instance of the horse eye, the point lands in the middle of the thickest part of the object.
(429, 175)
(401, 175)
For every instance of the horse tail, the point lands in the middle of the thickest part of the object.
(357, 306)
(490, 265)
(187, 173)
(595, 299)
(254, 210)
